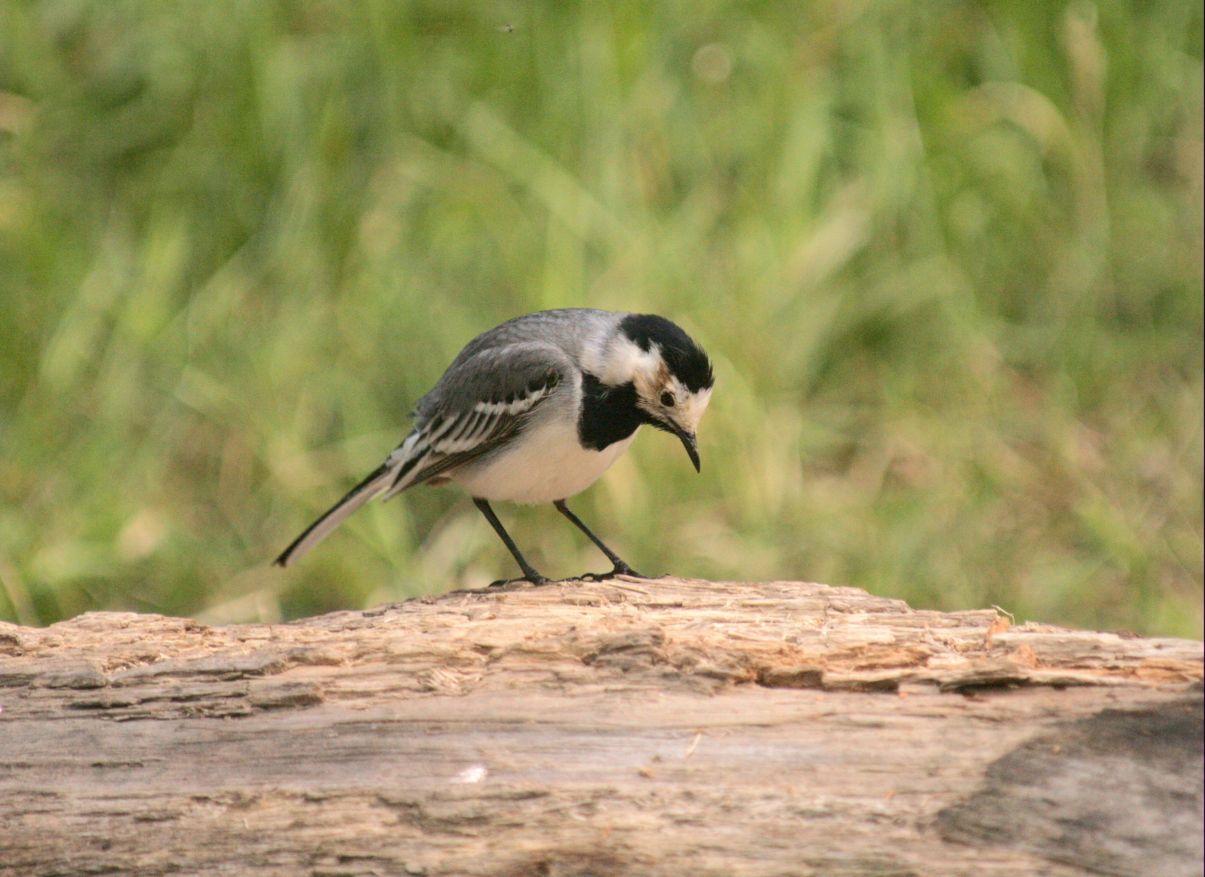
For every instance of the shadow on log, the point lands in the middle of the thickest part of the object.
(627, 727)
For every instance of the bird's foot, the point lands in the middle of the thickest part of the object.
(621, 569)
(535, 580)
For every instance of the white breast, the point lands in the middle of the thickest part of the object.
(545, 465)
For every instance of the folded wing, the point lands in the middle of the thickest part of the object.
(476, 408)
(479, 405)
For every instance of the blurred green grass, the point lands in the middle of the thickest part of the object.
(947, 256)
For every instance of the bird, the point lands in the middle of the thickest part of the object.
(535, 410)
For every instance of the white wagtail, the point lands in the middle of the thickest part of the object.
(535, 410)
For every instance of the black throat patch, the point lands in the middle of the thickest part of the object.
(609, 414)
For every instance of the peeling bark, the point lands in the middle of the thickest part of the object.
(627, 727)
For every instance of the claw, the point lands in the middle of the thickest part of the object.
(535, 581)
(622, 570)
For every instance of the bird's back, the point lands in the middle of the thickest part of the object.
(565, 329)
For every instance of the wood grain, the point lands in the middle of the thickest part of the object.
(627, 727)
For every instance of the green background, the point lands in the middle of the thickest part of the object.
(947, 257)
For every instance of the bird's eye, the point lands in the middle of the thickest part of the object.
(667, 399)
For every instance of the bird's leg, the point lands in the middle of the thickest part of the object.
(621, 568)
(529, 572)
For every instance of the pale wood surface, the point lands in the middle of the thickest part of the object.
(629, 727)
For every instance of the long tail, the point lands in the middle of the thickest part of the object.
(374, 484)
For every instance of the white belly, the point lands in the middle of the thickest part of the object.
(546, 464)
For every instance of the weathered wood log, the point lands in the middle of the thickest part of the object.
(626, 727)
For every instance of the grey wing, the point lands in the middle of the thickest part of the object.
(483, 401)
(480, 404)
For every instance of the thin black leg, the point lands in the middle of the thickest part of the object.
(621, 568)
(529, 571)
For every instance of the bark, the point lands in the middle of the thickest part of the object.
(627, 727)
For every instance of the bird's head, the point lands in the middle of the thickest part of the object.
(671, 374)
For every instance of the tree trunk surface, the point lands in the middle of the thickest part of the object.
(624, 727)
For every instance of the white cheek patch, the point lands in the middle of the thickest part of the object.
(692, 407)
(624, 361)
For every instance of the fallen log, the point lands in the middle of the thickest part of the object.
(625, 727)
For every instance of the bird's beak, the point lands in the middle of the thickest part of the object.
(690, 443)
